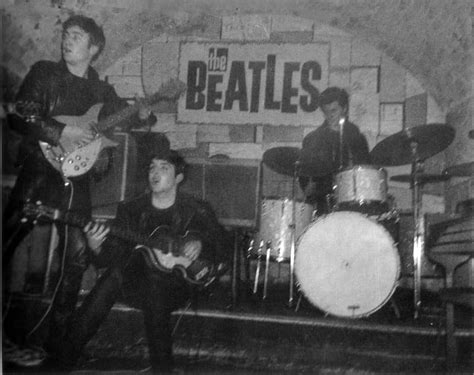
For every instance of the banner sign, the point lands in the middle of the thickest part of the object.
(252, 83)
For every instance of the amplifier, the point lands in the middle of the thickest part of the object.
(231, 186)
(116, 185)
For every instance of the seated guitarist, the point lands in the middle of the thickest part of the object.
(190, 230)
(69, 87)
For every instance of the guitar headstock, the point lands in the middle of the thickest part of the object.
(38, 212)
(170, 90)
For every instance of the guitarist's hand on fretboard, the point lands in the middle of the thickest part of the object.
(192, 249)
(96, 234)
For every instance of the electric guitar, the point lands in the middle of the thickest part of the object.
(162, 250)
(72, 159)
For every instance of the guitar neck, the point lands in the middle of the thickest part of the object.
(127, 112)
(117, 117)
(76, 220)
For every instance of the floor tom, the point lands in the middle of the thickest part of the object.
(276, 223)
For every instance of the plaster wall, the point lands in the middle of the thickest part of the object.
(383, 73)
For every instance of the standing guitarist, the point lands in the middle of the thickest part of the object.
(190, 224)
(69, 87)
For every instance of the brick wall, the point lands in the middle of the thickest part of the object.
(384, 97)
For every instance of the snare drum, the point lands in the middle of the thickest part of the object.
(276, 224)
(361, 184)
(347, 265)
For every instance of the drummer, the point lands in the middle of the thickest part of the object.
(321, 149)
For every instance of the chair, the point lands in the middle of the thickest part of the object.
(451, 244)
(461, 296)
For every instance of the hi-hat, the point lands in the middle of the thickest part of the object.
(461, 170)
(421, 178)
(398, 148)
(282, 159)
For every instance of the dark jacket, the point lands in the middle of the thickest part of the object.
(187, 214)
(324, 144)
(55, 91)
(321, 150)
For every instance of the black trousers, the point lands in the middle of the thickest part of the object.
(158, 295)
(38, 181)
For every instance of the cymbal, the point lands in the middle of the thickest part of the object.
(396, 148)
(421, 177)
(461, 170)
(282, 159)
(287, 160)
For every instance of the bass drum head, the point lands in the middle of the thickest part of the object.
(347, 265)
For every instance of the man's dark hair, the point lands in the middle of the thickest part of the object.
(172, 157)
(333, 94)
(96, 33)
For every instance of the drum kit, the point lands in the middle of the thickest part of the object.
(345, 262)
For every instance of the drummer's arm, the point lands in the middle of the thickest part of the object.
(359, 150)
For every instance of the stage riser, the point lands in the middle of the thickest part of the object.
(267, 341)
(273, 345)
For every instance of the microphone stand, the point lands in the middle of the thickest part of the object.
(419, 233)
(341, 141)
(293, 234)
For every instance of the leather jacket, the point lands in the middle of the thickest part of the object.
(187, 214)
(55, 91)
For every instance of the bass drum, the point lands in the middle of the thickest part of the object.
(347, 265)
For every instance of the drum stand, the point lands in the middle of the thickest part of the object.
(419, 230)
(293, 235)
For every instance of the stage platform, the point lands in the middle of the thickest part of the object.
(217, 334)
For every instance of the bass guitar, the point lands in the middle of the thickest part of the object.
(72, 159)
(163, 251)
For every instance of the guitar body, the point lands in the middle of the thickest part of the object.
(74, 160)
(196, 272)
(164, 253)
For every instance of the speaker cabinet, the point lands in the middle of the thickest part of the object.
(114, 186)
(231, 186)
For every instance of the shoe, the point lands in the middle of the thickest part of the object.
(24, 357)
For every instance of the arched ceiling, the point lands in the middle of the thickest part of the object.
(430, 38)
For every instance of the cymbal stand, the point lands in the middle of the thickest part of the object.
(293, 235)
(419, 232)
(259, 261)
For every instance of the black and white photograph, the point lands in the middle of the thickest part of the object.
(237, 187)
